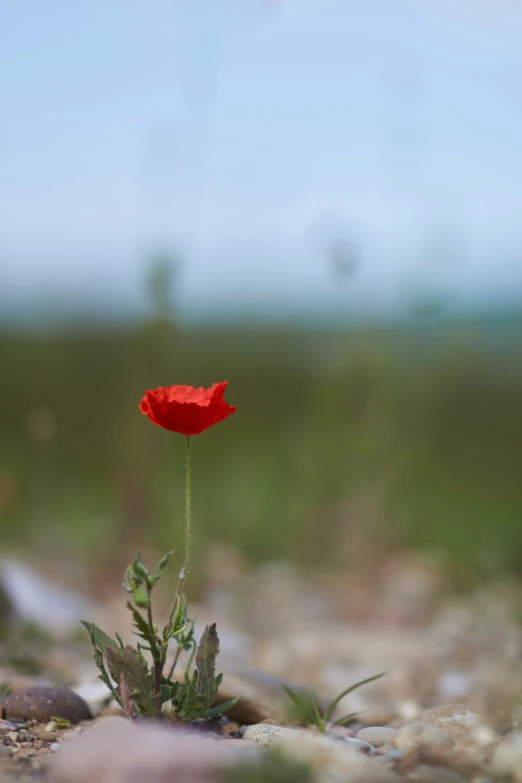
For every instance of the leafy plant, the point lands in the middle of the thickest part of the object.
(307, 711)
(137, 682)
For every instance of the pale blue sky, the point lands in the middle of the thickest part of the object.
(243, 128)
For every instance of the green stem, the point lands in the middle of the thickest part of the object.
(188, 534)
(156, 655)
(188, 519)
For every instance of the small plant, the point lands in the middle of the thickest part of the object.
(307, 711)
(135, 676)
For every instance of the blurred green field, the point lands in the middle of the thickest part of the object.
(343, 441)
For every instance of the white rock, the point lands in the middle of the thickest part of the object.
(266, 733)
(507, 758)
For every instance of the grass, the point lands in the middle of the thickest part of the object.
(342, 439)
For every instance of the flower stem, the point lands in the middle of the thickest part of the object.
(188, 535)
(156, 655)
(188, 518)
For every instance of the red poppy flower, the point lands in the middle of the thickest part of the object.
(185, 409)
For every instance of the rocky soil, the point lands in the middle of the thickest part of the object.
(448, 710)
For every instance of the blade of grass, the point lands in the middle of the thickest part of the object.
(331, 707)
(320, 722)
(343, 721)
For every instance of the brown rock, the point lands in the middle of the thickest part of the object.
(377, 735)
(456, 719)
(43, 703)
(245, 711)
(417, 735)
(428, 774)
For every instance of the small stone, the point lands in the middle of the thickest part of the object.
(12, 735)
(359, 745)
(456, 719)
(341, 731)
(70, 736)
(425, 773)
(415, 735)
(392, 754)
(244, 711)
(265, 733)
(377, 735)
(507, 758)
(45, 736)
(335, 760)
(6, 725)
(44, 703)
(230, 727)
(55, 747)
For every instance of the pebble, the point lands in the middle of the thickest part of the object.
(415, 735)
(425, 773)
(55, 747)
(393, 755)
(43, 703)
(456, 719)
(377, 735)
(334, 761)
(45, 736)
(70, 736)
(265, 733)
(507, 758)
(359, 745)
(341, 731)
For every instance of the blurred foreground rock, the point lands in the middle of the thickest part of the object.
(117, 750)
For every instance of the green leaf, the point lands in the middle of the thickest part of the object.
(178, 620)
(162, 564)
(299, 702)
(219, 709)
(319, 721)
(331, 707)
(139, 681)
(115, 663)
(140, 569)
(142, 626)
(61, 723)
(206, 654)
(343, 721)
(165, 693)
(99, 638)
(98, 660)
